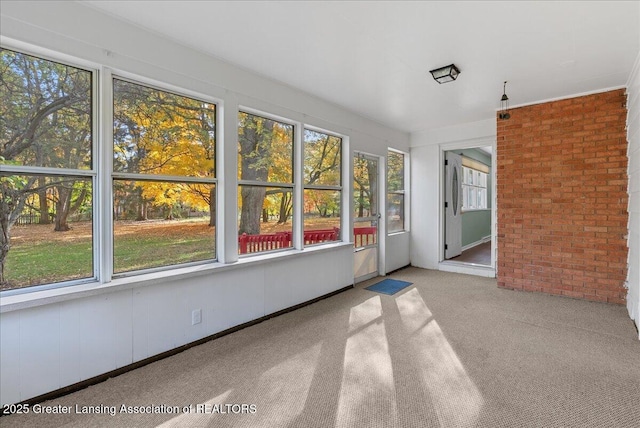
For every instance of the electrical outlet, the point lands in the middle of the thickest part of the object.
(196, 316)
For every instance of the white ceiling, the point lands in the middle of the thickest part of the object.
(373, 57)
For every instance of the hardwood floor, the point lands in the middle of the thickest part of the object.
(480, 254)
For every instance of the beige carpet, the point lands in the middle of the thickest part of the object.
(449, 351)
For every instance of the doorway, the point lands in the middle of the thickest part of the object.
(468, 217)
(366, 216)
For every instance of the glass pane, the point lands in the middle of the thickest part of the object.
(45, 111)
(365, 233)
(265, 149)
(158, 223)
(469, 176)
(465, 197)
(395, 171)
(161, 133)
(321, 216)
(365, 187)
(50, 230)
(473, 197)
(454, 191)
(264, 218)
(395, 212)
(322, 154)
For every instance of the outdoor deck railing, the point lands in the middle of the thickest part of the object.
(272, 241)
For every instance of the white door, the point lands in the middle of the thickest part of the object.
(453, 205)
(366, 216)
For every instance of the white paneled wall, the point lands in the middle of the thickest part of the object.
(633, 137)
(48, 347)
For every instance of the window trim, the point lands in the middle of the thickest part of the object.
(108, 81)
(102, 176)
(475, 186)
(258, 183)
(330, 187)
(404, 192)
(93, 173)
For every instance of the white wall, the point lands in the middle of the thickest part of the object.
(47, 347)
(88, 330)
(426, 174)
(633, 137)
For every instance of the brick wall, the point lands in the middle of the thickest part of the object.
(562, 198)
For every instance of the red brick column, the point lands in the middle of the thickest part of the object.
(562, 198)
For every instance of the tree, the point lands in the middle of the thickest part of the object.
(255, 135)
(365, 187)
(45, 121)
(160, 133)
(322, 156)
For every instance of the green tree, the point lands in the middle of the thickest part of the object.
(45, 121)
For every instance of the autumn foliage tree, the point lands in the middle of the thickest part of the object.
(265, 149)
(161, 134)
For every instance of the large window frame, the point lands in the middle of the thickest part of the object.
(338, 188)
(397, 192)
(289, 242)
(115, 176)
(92, 173)
(102, 176)
(475, 186)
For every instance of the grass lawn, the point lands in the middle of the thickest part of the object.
(38, 255)
(47, 262)
(133, 252)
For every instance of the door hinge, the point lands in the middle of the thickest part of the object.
(446, 162)
(446, 247)
(446, 204)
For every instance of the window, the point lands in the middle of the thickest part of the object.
(474, 187)
(265, 184)
(322, 187)
(161, 185)
(395, 192)
(164, 185)
(47, 171)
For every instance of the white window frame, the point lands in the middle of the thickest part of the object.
(294, 185)
(335, 188)
(474, 184)
(113, 175)
(404, 192)
(93, 173)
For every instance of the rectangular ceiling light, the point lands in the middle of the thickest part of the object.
(445, 74)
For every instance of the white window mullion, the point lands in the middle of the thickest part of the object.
(103, 223)
(298, 187)
(227, 173)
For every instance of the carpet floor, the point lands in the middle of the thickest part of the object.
(450, 350)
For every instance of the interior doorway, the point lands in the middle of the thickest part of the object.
(468, 230)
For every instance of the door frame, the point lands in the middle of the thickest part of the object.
(382, 211)
(451, 266)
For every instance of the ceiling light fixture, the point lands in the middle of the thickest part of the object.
(445, 74)
(504, 104)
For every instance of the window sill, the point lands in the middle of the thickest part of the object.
(61, 294)
(475, 210)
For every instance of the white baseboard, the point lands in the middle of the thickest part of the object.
(475, 244)
(467, 268)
